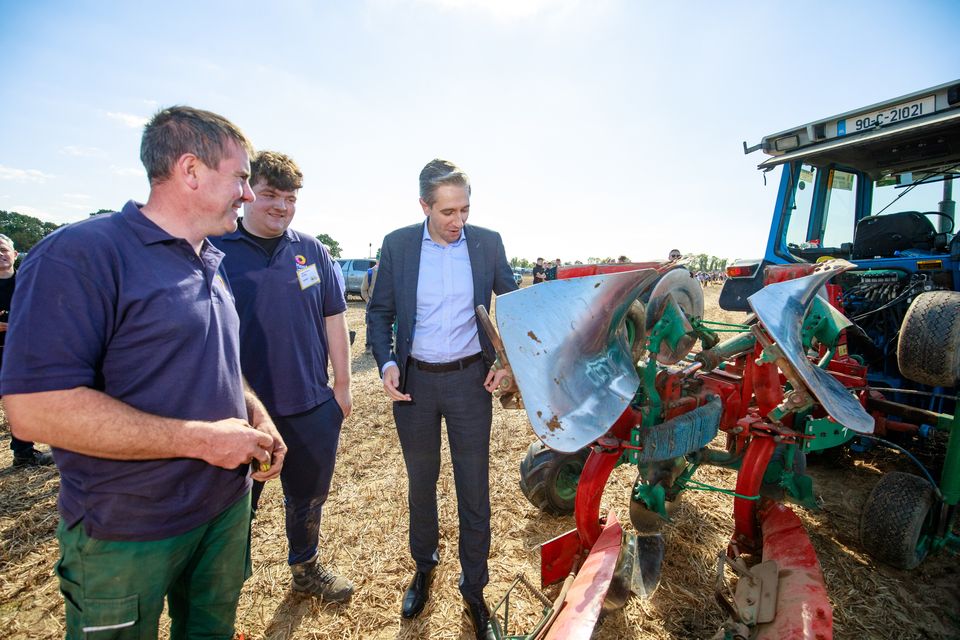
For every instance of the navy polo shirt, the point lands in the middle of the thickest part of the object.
(282, 300)
(116, 304)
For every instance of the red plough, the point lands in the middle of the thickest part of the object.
(605, 365)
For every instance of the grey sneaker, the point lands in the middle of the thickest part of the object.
(314, 579)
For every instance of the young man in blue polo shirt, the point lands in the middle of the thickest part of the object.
(291, 310)
(124, 355)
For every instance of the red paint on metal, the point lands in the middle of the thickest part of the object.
(581, 607)
(767, 385)
(849, 367)
(625, 423)
(593, 479)
(803, 608)
(745, 535)
(557, 557)
(783, 272)
(580, 270)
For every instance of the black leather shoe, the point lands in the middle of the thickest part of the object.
(417, 594)
(480, 617)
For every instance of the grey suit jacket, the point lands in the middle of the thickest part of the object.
(395, 296)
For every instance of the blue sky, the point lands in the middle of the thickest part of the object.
(589, 128)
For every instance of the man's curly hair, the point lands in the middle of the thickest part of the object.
(277, 170)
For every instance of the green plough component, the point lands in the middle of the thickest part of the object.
(827, 434)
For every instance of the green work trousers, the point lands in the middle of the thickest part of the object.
(115, 590)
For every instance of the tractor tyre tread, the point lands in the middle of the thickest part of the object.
(893, 518)
(538, 475)
(929, 348)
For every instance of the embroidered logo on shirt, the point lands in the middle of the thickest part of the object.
(301, 261)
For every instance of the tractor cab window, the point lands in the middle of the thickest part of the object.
(839, 209)
(905, 218)
(801, 206)
(822, 213)
(908, 192)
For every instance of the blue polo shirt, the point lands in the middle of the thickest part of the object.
(283, 300)
(116, 304)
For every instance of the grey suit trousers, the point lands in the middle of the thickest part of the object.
(460, 399)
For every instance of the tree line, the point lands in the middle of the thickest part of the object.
(694, 262)
(26, 231)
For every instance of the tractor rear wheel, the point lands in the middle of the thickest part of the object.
(549, 478)
(929, 347)
(894, 519)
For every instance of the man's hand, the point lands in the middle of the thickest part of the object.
(391, 380)
(232, 442)
(494, 376)
(277, 453)
(343, 397)
(3, 326)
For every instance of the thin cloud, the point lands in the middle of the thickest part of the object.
(127, 119)
(128, 171)
(77, 196)
(23, 175)
(83, 152)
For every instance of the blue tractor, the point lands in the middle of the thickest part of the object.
(874, 186)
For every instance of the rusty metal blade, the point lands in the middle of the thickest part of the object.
(569, 354)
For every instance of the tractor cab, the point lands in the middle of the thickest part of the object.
(874, 186)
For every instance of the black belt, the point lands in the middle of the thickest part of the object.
(443, 367)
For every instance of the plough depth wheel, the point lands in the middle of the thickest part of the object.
(549, 478)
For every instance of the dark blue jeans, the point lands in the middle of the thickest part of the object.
(460, 399)
(311, 438)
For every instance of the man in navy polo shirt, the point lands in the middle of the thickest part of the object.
(291, 310)
(124, 355)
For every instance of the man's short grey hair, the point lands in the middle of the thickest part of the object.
(7, 240)
(437, 173)
(177, 130)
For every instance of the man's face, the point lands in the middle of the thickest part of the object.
(675, 255)
(7, 257)
(223, 190)
(558, 262)
(448, 214)
(540, 262)
(271, 213)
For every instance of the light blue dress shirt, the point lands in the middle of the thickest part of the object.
(446, 324)
(446, 327)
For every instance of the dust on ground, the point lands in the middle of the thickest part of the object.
(365, 538)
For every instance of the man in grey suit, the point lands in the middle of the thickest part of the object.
(432, 276)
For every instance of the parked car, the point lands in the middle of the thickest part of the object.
(354, 271)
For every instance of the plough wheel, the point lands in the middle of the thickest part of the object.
(549, 478)
(894, 518)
